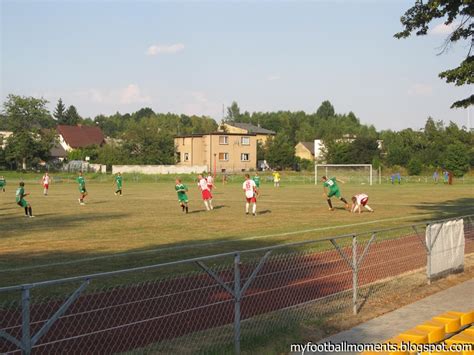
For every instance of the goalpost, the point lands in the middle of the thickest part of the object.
(355, 173)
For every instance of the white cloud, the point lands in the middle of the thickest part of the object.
(273, 77)
(442, 29)
(420, 90)
(132, 94)
(156, 49)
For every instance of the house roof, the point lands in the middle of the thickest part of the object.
(81, 136)
(309, 146)
(58, 152)
(250, 128)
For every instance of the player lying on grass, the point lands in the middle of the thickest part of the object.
(251, 194)
(181, 190)
(118, 183)
(82, 188)
(20, 200)
(331, 184)
(206, 193)
(359, 201)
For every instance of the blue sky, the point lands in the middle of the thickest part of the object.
(193, 57)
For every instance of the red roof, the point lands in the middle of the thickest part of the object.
(81, 136)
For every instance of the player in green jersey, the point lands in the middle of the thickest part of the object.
(82, 188)
(331, 184)
(3, 183)
(20, 200)
(118, 183)
(256, 179)
(181, 190)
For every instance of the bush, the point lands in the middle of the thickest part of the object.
(414, 166)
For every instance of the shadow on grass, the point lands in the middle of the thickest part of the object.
(448, 209)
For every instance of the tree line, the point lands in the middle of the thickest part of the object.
(146, 137)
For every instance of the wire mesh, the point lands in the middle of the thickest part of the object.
(193, 312)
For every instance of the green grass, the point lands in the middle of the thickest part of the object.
(146, 225)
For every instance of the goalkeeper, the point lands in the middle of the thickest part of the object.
(331, 184)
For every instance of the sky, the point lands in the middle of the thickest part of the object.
(193, 57)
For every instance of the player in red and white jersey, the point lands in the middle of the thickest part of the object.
(251, 193)
(206, 192)
(210, 182)
(45, 182)
(359, 201)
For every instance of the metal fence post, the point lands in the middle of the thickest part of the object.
(237, 297)
(428, 254)
(25, 320)
(354, 274)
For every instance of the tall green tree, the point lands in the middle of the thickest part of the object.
(72, 116)
(26, 113)
(60, 112)
(233, 112)
(456, 13)
(457, 159)
(279, 153)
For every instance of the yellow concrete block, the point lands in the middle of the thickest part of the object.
(435, 330)
(452, 322)
(467, 318)
(397, 340)
(415, 336)
(469, 331)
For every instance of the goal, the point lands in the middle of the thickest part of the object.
(351, 173)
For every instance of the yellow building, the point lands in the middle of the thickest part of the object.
(262, 134)
(220, 151)
(305, 150)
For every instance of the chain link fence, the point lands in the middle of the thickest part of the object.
(226, 303)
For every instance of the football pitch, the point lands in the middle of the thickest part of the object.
(146, 226)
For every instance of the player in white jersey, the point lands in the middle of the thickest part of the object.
(359, 201)
(251, 193)
(210, 182)
(45, 182)
(206, 192)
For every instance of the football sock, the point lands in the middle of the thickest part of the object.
(329, 203)
(26, 211)
(247, 207)
(254, 209)
(186, 209)
(206, 204)
(343, 200)
(30, 211)
(210, 204)
(369, 208)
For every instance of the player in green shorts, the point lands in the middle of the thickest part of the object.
(118, 183)
(256, 179)
(3, 183)
(20, 200)
(331, 184)
(82, 188)
(181, 190)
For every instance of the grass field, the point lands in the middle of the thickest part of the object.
(147, 226)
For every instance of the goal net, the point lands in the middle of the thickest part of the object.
(349, 173)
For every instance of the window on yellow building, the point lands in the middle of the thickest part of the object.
(224, 156)
(223, 139)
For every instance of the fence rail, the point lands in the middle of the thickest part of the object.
(228, 301)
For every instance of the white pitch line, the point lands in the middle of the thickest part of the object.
(209, 243)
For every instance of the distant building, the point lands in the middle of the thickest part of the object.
(74, 137)
(222, 151)
(262, 134)
(305, 150)
(3, 138)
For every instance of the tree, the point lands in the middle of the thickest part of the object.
(60, 112)
(279, 153)
(363, 150)
(414, 166)
(337, 152)
(233, 112)
(456, 159)
(24, 146)
(457, 13)
(26, 113)
(326, 110)
(72, 116)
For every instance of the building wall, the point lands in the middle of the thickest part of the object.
(211, 151)
(4, 136)
(159, 169)
(302, 152)
(232, 129)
